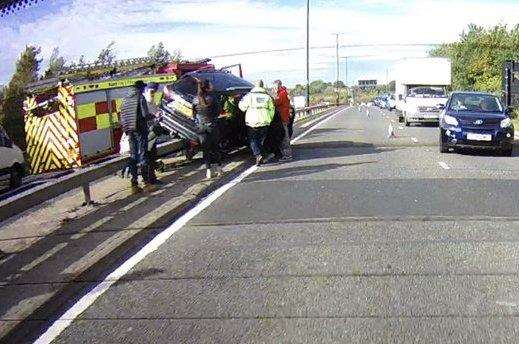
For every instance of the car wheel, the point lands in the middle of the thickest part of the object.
(507, 151)
(16, 177)
(443, 147)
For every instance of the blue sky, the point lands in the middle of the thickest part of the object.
(210, 28)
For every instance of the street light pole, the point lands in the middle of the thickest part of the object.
(307, 53)
(346, 73)
(346, 70)
(337, 55)
(337, 66)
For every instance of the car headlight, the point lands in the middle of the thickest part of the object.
(450, 120)
(506, 123)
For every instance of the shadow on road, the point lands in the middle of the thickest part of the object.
(424, 125)
(300, 171)
(335, 149)
(485, 152)
(110, 226)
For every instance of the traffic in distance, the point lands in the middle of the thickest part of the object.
(466, 120)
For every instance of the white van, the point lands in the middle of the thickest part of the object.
(12, 164)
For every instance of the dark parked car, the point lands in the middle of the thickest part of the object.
(476, 120)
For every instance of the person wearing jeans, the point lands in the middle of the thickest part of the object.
(259, 112)
(256, 138)
(134, 118)
(138, 156)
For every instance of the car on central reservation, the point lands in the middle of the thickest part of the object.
(476, 120)
(179, 116)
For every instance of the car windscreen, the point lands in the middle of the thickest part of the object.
(185, 86)
(475, 103)
(427, 92)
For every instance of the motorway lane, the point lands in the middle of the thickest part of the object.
(360, 239)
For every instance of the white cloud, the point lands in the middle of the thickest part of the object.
(208, 28)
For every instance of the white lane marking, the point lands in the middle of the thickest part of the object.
(318, 125)
(308, 124)
(88, 299)
(414, 139)
(444, 165)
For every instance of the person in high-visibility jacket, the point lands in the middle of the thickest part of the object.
(259, 110)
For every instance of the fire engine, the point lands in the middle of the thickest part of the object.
(73, 120)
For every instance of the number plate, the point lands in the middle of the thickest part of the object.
(479, 137)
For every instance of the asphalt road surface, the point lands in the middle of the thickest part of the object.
(361, 239)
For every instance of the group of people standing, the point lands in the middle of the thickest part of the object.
(267, 118)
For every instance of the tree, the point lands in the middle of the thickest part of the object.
(159, 54)
(478, 57)
(339, 84)
(26, 72)
(392, 86)
(81, 62)
(176, 56)
(107, 55)
(56, 64)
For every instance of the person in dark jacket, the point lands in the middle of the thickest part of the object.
(134, 123)
(207, 111)
(274, 139)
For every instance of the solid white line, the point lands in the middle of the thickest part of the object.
(444, 165)
(88, 299)
(318, 125)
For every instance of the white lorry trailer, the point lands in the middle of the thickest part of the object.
(421, 88)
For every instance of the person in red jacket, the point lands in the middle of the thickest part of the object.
(282, 102)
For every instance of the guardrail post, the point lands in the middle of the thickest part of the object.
(86, 193)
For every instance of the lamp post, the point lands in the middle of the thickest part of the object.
(307, 53)
(346, 74)
(337, 66)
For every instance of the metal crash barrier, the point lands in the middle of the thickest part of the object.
(83, 177)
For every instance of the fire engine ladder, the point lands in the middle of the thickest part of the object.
(136, 66)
